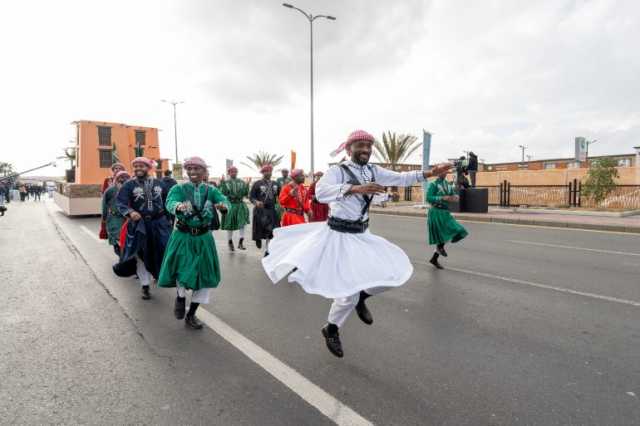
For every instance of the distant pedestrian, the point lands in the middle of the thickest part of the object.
(106, 183)
(237, 217)
(319, 211)
(264, 197)
(191, 260)
(294, 199)
(111, 216)
(441, 224)
(23, 192)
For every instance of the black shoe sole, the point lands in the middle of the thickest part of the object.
(193, 327)
(436, 264)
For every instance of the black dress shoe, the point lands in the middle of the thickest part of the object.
(241, 244)
(434, 262)
(179, 307)
(193, 322)
(231, 248)
(259, 244)
(333, 341)
(145, 292)
(266, 253)
(363, 313)
(441, 251)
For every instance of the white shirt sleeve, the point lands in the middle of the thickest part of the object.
(387, 177)
(331, 186)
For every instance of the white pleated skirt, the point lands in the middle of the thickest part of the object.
(334, 264)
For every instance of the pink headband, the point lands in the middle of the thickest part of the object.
(195, 161)
(232, 169)
(143, 160)
(296, 172)
(266, 168)
(121, 174)
(117, 165)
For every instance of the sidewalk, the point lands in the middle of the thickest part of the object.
(561, 219)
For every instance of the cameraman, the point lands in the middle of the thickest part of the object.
(472, 168)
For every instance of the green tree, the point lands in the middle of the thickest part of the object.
(601, 180)
(395, 149)
(261, 158)
(6, 168)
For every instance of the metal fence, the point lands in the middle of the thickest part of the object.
(622, 197)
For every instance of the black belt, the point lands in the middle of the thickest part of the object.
(182, 227)
(294, 211)
(348, 226)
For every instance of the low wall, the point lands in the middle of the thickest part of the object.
(77, 199)
(627, 176)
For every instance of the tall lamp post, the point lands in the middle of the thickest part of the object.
(310, 18)
(175, 124)
(522, 147)
(586, 154)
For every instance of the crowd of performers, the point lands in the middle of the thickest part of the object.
(315, 236)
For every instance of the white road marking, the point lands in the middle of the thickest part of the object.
(91, 233)
(543, 286)
(329, 406)
(482, 222)
(532, 243)
(312, 394)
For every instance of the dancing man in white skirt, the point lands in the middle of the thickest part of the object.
(340, 259)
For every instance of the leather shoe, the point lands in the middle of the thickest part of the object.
(241, 244)
(333, 341)
(231, 248)
(179, 307)
(145, 292)
(363, 313)
(441, 251)
(193, 322)
(434, 262)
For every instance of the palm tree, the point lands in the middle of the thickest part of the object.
(395, 149)
(261, 158)
(71, 154)
(6, 168)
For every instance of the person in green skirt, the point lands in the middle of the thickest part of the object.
(111, 216)
(191, 260)
(236, 190)
(441, 224)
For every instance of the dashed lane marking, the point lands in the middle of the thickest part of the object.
(533, 243)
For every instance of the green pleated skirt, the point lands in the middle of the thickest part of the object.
(235, 218)
(443, 227)
(190, 260)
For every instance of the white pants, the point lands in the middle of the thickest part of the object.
(341, 308)
(230, 233)
(197, 296)
(144, 276)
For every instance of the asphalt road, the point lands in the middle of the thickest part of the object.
(526, 326)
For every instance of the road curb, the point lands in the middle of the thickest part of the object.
(517, 221)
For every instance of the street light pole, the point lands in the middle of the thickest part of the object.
(522, 147)
(175, 123)
(310, 18)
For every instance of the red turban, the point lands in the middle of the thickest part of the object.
(143, 160)
(232, 169)
(195, 161)
(296, 172)
(358, 135)
(266, 168)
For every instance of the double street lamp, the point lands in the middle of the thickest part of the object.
(175, 123)
(310, 18)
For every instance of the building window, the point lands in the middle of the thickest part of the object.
(140, 137)
(104, 136)
(106, 158)
(573, 165)
(549, 165)
(624, 162)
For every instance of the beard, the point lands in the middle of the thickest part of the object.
(360, 158)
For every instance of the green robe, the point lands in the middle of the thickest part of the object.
(441, 224)
(236, 190)
(192, 260)
(110, 214)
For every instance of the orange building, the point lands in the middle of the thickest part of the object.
(98, 143)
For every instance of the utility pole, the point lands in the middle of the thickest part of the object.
(522, 147)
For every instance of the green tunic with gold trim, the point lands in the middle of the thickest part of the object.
(441, 224)
(236, 190)
(111, 216)
(192, 260)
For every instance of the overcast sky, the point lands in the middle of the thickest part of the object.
(484, 75)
